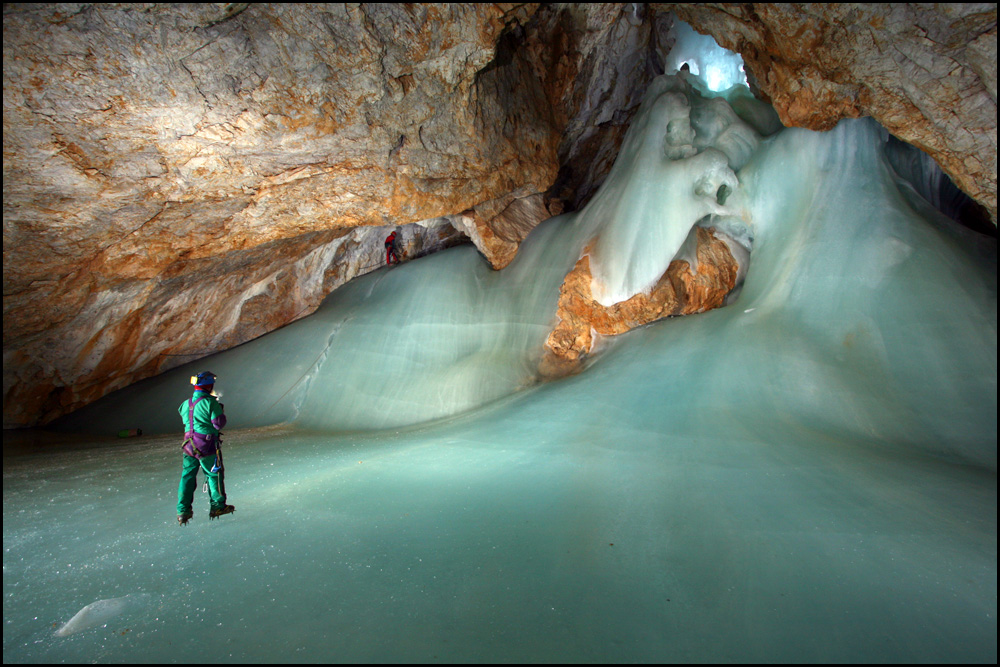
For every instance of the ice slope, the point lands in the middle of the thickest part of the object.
(808, 474)
(412, 343)
(864, 309)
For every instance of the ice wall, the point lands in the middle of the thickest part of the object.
(855, 310)
(407, 344)
(676, 168)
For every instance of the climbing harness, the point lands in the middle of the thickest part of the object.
(217, 470)
(190, 440)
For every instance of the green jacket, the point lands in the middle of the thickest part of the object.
(208, 415)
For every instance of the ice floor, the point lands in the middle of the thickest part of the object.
(806, 475)
(475, 540)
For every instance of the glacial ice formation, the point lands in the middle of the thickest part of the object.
(805, 475)
(414, 344)
(663, 183)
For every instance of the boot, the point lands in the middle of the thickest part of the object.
(182, 519)
(216, 512)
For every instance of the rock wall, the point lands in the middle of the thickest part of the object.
(182, 178)
(927, 72)
(686, 287)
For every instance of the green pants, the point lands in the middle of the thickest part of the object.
(189, 482)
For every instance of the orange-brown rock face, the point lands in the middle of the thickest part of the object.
(681, 291)
(179, 179)
(925, 72)
(497, 227)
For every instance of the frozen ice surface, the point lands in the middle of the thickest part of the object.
(806, 475)
(416, 342)
(674, 168)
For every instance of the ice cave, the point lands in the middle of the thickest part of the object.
(805, 474)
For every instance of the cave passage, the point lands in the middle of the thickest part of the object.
(806, 475)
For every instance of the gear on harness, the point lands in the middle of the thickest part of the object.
(217, 468)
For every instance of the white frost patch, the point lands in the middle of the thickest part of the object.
(94, 614)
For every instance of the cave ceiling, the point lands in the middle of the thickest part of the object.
(179, 179)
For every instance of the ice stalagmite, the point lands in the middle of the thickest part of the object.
(676, 168)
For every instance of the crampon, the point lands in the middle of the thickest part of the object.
(215, 513)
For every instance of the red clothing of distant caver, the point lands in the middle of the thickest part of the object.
(390, 249)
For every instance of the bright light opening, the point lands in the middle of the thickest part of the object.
(718, 68)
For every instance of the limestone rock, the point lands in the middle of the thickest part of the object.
(497, 227)
(594, 62)
(927, 72)
(682, 290)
